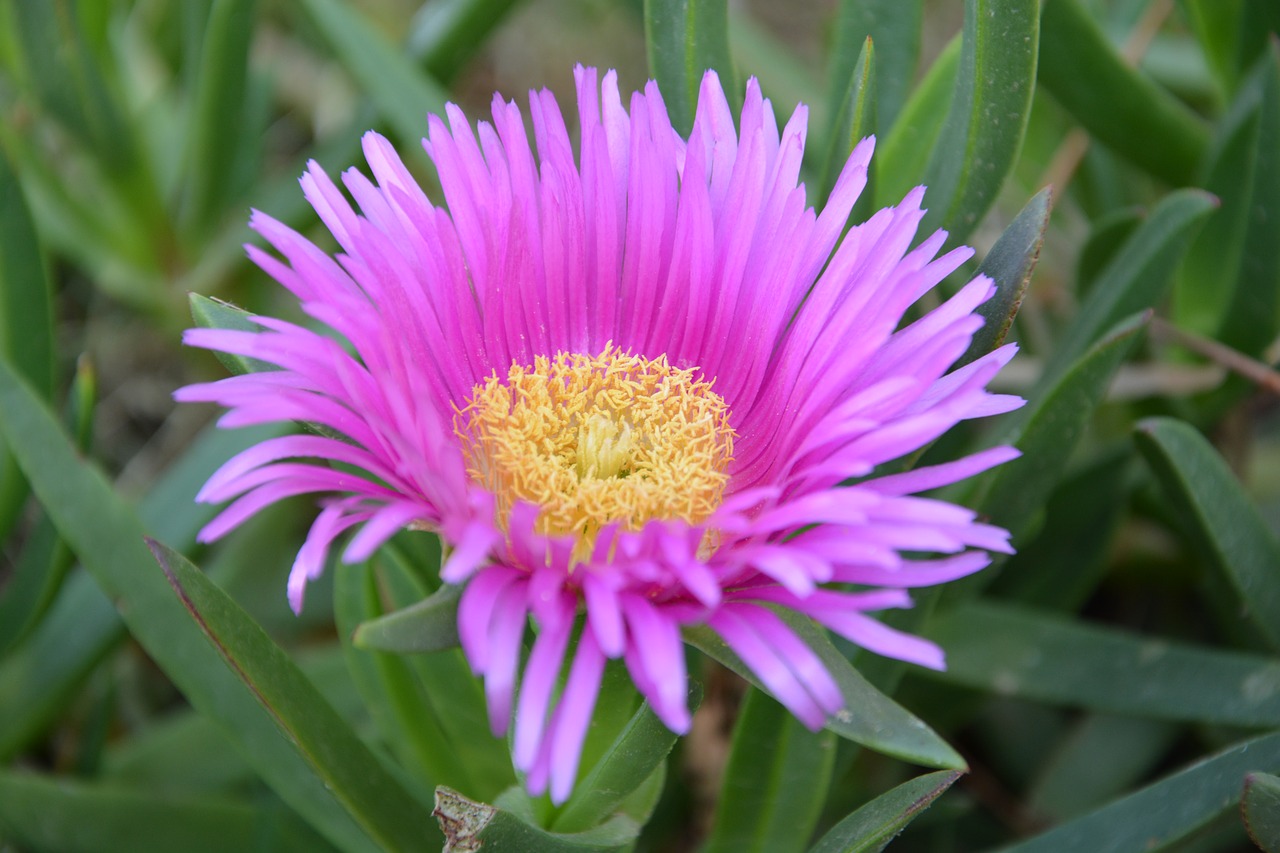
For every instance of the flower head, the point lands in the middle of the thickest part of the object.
(634, 384)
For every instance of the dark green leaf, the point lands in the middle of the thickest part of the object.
(1009, 264)
(431, 625)
(1016, 651)
(872, 827)
(1162, 814)
(471, 826)
(1261, 808)
(775, 783)
(630, 761)
(1118, 105)
(894, 26)
(854, 119)
(684, 39)
(872, 719)
(982, 135)
(1220, 518)
(1110, 233)
(447, 33)
(42, 813)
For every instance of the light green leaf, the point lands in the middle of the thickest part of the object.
(853, 120)
(982, 135)
(403, 94)
(1108, 236)
(1261, 809)
(431, 625)
(1031, 654)
(216, 314)
(1160, 815)
(43, 813)
(902, 155)
(873, 719)
(894, 26)
(775, 783)
(1118, 105)
(471, 826)
(872, 827)
(685, 38)
(1223, 522)
(447, 33)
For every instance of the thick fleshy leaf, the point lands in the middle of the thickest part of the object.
(216, 314)
(1118, 105)
(431, 625)
(1166, 812)
(108, 538)
(684, 38)
(872, 719)
(1009, 264)
(216, 138)
(471, 826)
(1031, 654)
(403, 94)
(1109, 234)
(1221, 520)
(330, 747)
(1261, 810)
(894, 26)
(43, 813)
(775, 783)
(988, 116)
(629, 762)
(445, 35)
(903, 154)
(854, 120)
(872, 827)
(1136, 278)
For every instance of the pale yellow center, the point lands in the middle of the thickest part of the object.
(593, 440)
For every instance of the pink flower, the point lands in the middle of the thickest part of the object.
(630, 384)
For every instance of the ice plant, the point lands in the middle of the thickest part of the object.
(629, 389)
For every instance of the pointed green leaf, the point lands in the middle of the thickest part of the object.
(1118, 105)
(1109, 234)
(444, 35)
(903, 154)
(894, 26)
(43, 813)
(1222, 521)
(471, 826)
(631, 760)
(1162, 814)
(854, 120)
(872, 827)
(1261, 810)
(775, 783)
(431, 625)
(872, 719)
(1017, 651)
(685, 38)
(403, 94)
(982, 136)
(1136, 279)
(326, 743)
(1009, 265)
(215, 314)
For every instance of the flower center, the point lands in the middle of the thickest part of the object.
(594, 440)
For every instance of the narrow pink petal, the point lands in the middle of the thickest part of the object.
(573, 714)
(539, 680)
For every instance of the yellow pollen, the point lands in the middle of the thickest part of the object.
(593, 440)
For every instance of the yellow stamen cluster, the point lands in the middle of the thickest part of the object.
(599, 439)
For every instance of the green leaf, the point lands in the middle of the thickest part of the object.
(872, 827)
(685, 38)
(403, 94)
(635, 755)
(1118, 105)
(1222, 521)
(216, 314)
(1136, 278)
(1009, 264)
(42, 813)
(431, 625)
(447, 33)
(872, 719)
(216, 140)
(471, 826)
(894, 26)
(775, 783)
(1162, 814)
(1031, 654)
(329, 746)
(854, 119)
(901, 157)
(982, 135)
(108, 539)
(1109, 234)
(1261, 809)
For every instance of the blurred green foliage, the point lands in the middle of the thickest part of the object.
(1114, 686)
